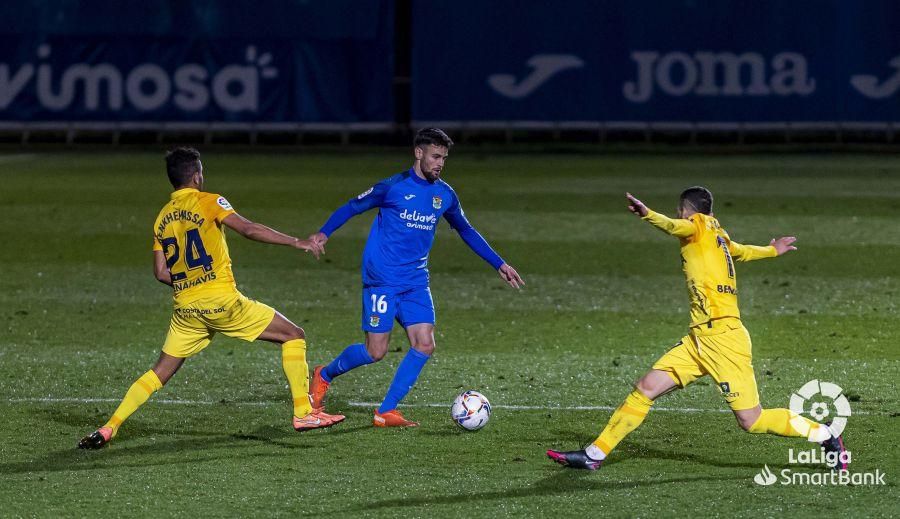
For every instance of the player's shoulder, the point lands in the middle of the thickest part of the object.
(213, 202)
(396, 178)
(708, 222)
(447, 187)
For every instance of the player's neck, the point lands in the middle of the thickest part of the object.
(189, 186)
(418, 171)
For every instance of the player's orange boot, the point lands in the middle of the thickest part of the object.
(96, 439)
(392, 418)
(317, 419)
(318, 387)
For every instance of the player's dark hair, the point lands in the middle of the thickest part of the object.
(699, 198)
(434, 136)
(181, 164)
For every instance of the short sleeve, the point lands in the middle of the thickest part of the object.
(218, 207)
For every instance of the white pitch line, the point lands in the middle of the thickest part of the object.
(511, 407)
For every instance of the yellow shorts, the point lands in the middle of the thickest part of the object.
(724, 352)
(195, 324)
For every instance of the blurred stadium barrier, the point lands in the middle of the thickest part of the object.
(344, 71)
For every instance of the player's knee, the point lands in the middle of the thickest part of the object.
(647, 387)
(424, 347)
(376, 351)
(746, 420)
(296, 333)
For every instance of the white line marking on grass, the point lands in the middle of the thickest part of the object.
(264, 403)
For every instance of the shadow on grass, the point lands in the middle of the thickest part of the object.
(199, 447)
(560, 483)
(566, 481)
(636, 450)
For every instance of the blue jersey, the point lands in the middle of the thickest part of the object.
(402, 233)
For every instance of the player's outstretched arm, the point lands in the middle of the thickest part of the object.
(373, 197)
(677, 227)
(776, 247)
(259, 232)
(160, 270)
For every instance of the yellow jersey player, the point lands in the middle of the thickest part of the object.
(717, 344)
(190, 254)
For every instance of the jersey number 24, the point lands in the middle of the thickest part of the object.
(195, 254)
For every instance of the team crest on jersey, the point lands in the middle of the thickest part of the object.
(436, 202)
(374, 320)
(223, 203)
(364, 193)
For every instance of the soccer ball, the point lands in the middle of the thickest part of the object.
(471, 410)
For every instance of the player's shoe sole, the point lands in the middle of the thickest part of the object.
(318, 388)
(836, 445)
(97, 439)
(392, 418)
(317, 419)
(574, 459)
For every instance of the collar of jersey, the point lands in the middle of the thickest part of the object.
(417, 179)
(183, 191)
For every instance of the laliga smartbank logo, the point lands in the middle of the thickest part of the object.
(826, 403)
(823, 402)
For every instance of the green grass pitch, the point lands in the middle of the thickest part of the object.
(82, 317)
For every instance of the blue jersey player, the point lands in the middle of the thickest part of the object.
(395, 269)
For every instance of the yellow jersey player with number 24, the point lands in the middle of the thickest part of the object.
(190, 254)
(717, 343)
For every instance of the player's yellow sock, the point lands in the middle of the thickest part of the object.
(137, 394)
(783, 422)
(625, 419)
(293, 359)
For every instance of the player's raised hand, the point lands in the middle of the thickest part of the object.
(509, 274)
(310, 246)
(636, 206)
(783, 244)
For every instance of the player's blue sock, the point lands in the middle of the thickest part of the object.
(353, 356)
(404, 379)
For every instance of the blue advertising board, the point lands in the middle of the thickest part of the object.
(652, 61)
(326, 61)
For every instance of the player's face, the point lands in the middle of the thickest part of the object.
(431, 160)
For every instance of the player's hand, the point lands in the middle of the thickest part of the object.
(510, 275)
(636, 206)
(310, 246)
(783, 244)
(320, 238)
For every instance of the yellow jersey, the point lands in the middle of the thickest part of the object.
(189, 232)
(707, 258)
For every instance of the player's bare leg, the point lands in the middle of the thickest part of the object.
(421, 343)
(293, 359)
(624, 420)
(139, 392)
(377, 344)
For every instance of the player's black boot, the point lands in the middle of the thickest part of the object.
(96, 439)
(835, 444)
(574, 459)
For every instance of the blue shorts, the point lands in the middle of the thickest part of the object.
(381, 305)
